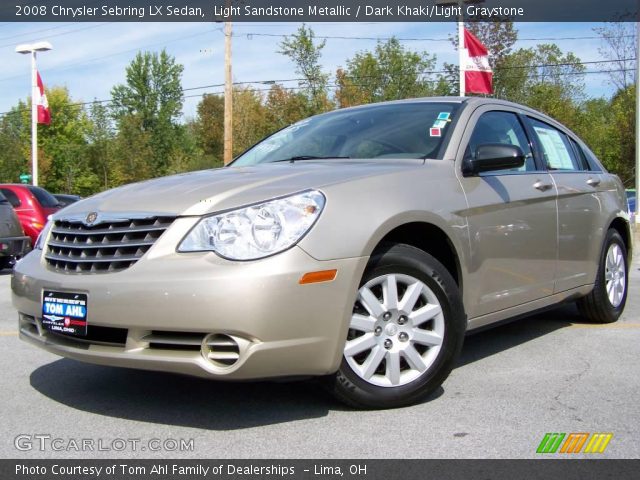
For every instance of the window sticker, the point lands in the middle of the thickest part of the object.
(444, 116)
(440, 124)
(558, 157)
(435, 132)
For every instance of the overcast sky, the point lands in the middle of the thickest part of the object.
(90, 58)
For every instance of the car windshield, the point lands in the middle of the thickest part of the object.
(45, 198)
(400, 130)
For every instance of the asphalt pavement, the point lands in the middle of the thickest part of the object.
(552, 372)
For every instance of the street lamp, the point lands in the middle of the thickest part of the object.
(33, 48)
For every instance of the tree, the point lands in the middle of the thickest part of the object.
(302, 49)
(153, 94)
(14, 159)
(249, 119)
(619, 46)
(283, 107)
(391, 72)
(100, 135)
(208, 128)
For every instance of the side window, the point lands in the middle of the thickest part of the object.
(12, 197)
(504, 128)
(582, 159)
(556, 149)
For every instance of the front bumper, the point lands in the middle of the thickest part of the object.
(162, 313)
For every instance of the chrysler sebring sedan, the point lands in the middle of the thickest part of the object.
(358, 246)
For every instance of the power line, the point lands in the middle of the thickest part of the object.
(419, 39)
(115, 54)
(331, 86)
(33, 32)
(63, 33)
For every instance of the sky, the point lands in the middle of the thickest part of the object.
(90, 58)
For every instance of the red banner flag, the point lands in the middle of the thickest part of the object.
(477, 71)
(44, 115)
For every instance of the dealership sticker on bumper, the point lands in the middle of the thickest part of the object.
(64, 313)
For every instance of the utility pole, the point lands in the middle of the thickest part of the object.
(228, 96)
(637, 121)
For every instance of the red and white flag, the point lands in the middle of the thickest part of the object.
(44, 115)
(478, 76)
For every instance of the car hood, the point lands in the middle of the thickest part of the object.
(199, 193)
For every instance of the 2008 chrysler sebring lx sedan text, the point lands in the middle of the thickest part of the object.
(357, 245)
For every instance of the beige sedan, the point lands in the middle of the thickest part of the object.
(358, 246)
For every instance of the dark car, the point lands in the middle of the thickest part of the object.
(13, 242)
(66, 199)
(32, 205)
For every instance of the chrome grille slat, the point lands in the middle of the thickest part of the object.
(53, 243)
(109, 246)
(106, 231)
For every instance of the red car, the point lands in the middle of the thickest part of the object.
(32, 205)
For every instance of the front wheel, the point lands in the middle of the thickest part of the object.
(405, 333)
(606, 301)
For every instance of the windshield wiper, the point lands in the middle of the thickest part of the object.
(305, 157)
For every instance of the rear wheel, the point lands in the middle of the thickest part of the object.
(606, 301)
(405, 333)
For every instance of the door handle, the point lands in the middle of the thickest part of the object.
(593, 182)
(543, 187)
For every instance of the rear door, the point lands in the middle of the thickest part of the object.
(581, 218)
(511, 217)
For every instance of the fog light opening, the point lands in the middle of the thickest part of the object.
(221, 350)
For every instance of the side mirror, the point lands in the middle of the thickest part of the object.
(494, 156)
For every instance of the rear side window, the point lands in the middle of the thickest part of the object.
(44, 198)
(11, 197)
(556, 149)
(582, 159)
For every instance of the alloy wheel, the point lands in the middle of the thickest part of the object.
(396, 330)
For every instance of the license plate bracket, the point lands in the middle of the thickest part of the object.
(64, 313)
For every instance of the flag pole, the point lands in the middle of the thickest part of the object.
(461, 52)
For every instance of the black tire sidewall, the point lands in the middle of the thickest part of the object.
(600, 288)
(403, 259)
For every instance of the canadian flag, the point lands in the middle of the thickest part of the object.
(44, 115)
(478, 76)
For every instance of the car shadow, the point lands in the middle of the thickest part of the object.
(164, 398)
(513, 333)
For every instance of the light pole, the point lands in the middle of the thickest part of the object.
(33, 48)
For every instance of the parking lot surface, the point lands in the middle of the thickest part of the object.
(552, 372)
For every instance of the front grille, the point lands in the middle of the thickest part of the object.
(109, 246)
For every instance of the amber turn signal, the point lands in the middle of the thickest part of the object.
(317, 277)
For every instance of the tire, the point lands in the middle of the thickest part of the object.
(599, 306)
(425, 317)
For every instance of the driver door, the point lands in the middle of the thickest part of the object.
(512, 219)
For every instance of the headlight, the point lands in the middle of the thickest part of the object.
(256, 231)
(42, 238)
